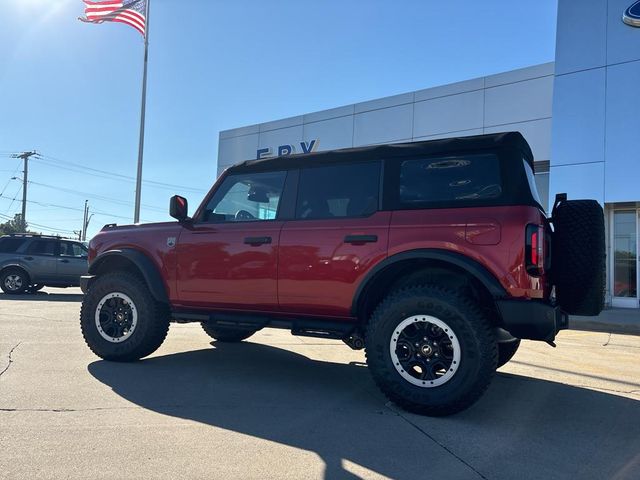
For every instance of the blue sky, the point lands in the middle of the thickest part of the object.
(72, 90)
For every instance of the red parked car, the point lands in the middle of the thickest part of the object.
(436, 257)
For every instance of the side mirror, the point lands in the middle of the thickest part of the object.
(179, 208)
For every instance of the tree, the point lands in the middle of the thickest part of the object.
(13, 226)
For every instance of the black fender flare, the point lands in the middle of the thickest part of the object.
(463, 262)
(146, 266)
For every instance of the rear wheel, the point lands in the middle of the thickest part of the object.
(431, 350)
(227, 334)
(14, 281)
(121, 320)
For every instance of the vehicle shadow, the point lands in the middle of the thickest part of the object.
(43, 297)
(522, 427)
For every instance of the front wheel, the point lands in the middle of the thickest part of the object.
(120, 319)
(431, 350)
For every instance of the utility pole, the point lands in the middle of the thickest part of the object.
(25, 172)
(85, 221)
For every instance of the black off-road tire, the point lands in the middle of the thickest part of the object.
(226, 334)
(579, 257)
(506, 351)
(479, 352)
(24, 276)
(152, 318)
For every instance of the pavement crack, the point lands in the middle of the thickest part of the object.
(440, 444)
(10, 357)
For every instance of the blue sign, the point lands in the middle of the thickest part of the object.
(632, 15)
(288, 149)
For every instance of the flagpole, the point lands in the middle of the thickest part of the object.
(136, 214)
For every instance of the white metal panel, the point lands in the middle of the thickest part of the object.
(450, 89)
(461, 133)
(577, 181)
(283, 136)
(282, 123)
(236, 149)
(622, 175)
(579, 118)
(386, 125)
(518, 102)
(328, 114)
(623, 41)
(519, 75)
(537, 133)
(330, 134)
(464, 111)
(236, 132)
(581, 35)
(385, 102)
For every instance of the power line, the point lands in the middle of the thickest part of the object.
(46, 227)
(78, 168)
(96, 196)
(75, 209)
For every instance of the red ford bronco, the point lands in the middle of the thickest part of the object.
(435, 257)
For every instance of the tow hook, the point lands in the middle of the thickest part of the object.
(355, 340)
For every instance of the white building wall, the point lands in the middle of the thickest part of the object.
(596, 119)
(520, 100)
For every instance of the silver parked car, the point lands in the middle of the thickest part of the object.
(29, 262)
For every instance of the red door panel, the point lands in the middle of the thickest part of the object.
(319, 270)
(229, 265)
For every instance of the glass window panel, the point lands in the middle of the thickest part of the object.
(625, 254)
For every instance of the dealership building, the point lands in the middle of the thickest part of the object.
(580, 114)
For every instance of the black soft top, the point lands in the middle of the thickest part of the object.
(512, 141)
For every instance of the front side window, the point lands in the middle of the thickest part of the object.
(42, 247)
(338, 191)
(71, 249)
(452, 179)
(246, 197)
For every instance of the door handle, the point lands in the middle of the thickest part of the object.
(360, 239)
(64, 261)
(255, 241)
(28, 258)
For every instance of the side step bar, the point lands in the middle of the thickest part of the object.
(307, 327)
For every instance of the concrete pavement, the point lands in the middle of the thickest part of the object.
(279, 406)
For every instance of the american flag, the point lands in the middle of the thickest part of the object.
(129, 12)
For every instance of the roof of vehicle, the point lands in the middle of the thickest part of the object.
(34, 235)
(513, 140)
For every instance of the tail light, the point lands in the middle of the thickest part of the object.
(534, 251)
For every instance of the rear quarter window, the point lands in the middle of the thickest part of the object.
(449, 180)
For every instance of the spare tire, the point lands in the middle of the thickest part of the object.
(578, 256)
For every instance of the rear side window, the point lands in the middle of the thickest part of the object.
(42, 247)
(448, 180)
(338, 191)
(10, 245)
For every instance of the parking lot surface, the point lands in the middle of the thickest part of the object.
(278, 406)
